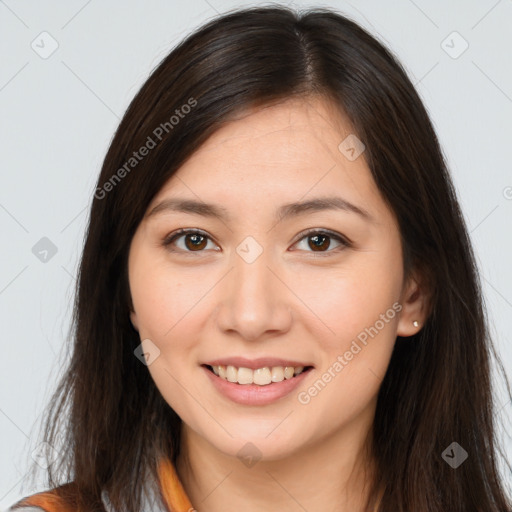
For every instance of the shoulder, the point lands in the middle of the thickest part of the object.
(22, 508)
(59, 499)
(47, 501)
(42, 501)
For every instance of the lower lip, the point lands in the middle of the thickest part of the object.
(253, 394)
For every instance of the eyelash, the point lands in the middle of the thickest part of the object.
(345, 243)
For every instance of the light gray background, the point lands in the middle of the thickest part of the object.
(58, 115)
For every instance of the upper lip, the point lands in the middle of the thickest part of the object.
(253, 364)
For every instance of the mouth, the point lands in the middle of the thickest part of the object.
(263, 376)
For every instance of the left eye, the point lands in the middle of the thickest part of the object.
(321, 239)
(196, 241)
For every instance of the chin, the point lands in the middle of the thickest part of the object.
(269, 443)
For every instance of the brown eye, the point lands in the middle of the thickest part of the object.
(321, 241)
(196, 241)
(193, 241)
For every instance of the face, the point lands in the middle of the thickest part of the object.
(318, 285)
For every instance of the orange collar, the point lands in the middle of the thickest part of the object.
(174, 496)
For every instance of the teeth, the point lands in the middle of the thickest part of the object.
(277, 373)
(231, 374)
(260, 376)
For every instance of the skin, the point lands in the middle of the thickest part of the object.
(291, 302)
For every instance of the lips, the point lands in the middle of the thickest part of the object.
(255, 394)
(254, 364)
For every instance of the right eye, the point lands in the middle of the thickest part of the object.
(193, 240)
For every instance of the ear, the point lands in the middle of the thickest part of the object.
(133, 318)
(415, 305)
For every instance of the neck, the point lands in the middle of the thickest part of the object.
(333, 474)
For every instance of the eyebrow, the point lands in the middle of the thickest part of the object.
(284, 212)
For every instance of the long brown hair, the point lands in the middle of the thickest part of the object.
(437, 389)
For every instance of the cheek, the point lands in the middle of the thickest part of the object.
(164, 303)
(355, 357)
(346, 302)
(358, 312)
(163, 300)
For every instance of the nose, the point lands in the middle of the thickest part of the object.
(254, 300)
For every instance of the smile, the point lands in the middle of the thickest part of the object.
(245, 390)
(260, 376)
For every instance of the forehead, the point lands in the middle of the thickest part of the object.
(287, 130)
(277, 154)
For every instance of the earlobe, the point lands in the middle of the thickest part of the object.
(133, 319)
(414, 308)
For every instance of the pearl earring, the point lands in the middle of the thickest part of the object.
(415, 323)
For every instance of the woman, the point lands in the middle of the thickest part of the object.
(220, 362)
